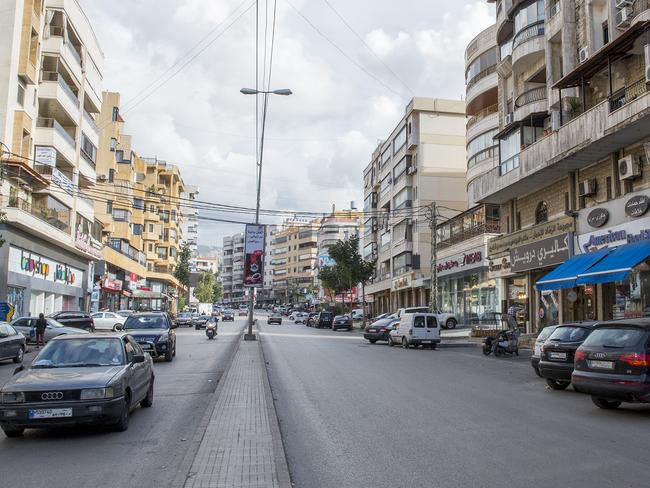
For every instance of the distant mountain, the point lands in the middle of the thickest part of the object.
(208, 251)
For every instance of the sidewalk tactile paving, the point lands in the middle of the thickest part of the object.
(237, 448)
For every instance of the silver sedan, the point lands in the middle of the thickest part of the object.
(27, 326)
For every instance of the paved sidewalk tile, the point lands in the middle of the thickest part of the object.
(237, 449)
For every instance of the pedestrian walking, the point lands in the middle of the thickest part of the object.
(41, 325)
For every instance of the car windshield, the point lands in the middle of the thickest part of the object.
(545, 333)
(616, 338)
(325, 315)
(204, 317)
(54, 323)
(77, 353)
(145, 322)
(569, 334)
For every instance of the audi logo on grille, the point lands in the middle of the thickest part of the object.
(599, 355)
(52, 395)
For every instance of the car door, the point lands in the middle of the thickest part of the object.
(23, 326)
(433, 328)
(419, 328)
(111, 319)
(5, 340)
(98, 319)
(13, 341)
(136, 376)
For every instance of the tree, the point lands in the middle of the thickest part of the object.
(181, 303)
(182, 271)
(204, 289)
(217, 293)
(333, 279)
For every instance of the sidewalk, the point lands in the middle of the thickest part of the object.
(239, 445)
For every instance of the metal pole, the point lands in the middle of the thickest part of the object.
(434, 258)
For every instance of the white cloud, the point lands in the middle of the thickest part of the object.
(383, 45)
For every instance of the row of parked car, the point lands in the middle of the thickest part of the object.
(608, 360)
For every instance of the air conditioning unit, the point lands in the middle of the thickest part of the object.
(411, 170)
(628, 168)
(102, 178)
(510, 118)
(587, 187)
(623, 3)
(583, 54)
(624, 17)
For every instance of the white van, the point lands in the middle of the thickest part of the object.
(416, 329)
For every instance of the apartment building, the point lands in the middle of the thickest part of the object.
(266, 294)
(294, 258)
(190, 225)
(206, 264)
(571, 177)
(50, 95)
(232, 270)
(421, 161)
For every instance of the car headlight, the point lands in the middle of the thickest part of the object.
(163, 338)
(12, 397)
(97, 393)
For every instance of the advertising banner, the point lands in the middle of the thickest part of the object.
(254, 261)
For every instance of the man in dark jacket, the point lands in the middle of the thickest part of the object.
(41, 325)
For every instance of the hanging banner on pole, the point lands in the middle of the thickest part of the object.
(254, 261)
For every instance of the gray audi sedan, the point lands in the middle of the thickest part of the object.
(79, 379)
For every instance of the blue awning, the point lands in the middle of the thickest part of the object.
(566, 274)
(616, 266)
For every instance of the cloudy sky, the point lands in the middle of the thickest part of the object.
(318, 140)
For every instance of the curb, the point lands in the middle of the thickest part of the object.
(183, 472)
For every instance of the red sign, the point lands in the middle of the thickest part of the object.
(254, 261)
(468, 259)
(112, 285)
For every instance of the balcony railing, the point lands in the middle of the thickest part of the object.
(531, 96)
(55, 76)
(73, 52)
(91, 121)
(49, 123)
(42, 213)
(483, 74)
(554, 9)
(533, 30)
(489, 227)
(487, 111)
(627, 94)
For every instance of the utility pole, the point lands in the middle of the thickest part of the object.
(433, 222)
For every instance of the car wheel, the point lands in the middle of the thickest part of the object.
(372, 341)
(405, 343)
(13, 432)
(148, 400)
(169, 355)
(88, 329)
(433, 346)
(390, 341)
(117, 327)
(123, 423)
(451, 324)
(557, 385)
(605, 404)
(20, 355)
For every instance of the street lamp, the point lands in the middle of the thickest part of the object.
(260, 156)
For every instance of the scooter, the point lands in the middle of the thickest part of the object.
(506, 342)
(211, 329)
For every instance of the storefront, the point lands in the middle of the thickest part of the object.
(38, 277)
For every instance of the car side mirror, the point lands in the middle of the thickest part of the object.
(19, 369)
(138, 358)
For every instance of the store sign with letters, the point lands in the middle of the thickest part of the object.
(634, 231)
(540, 254)
(45, 155)
(499, 267)
(637, 206)
(537, 233)
(458, 263)
(598, 217)
(31, 264)
(402, 282)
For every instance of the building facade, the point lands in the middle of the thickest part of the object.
(50, 95)
(423, 160)
(190, 225)
(232, 274)
(571, 175)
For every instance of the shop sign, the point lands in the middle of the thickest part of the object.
(499, 267)
(402, 282)
(598, 217)
(254, 260)
(614, 236)
(62, 181)
(637, 206)
(6, 311)
(45, 155)
(88, 244)
(540, 254)
(539, 232)
(37, 266)
(461, 262)
(112, 284)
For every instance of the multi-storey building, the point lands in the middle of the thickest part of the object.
(294, 257)
(572, 172)
(423, 160)
(266, 294)
(232, 269)
(190, 226)
(206, 264)
(50, 93)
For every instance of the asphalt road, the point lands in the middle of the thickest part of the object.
(358, 415)
(146, 455)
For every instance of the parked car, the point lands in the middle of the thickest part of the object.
(415, 329)
(78, 320)
(380, 330)
(613, 363)
(27, 327)
(274, 318)
(155, 333)
(184, 319)
(243, 312)
(446, 320)
(537, 349)
(557, 353)
(200, 321)
(324, 319)
(342, 322)
(125, 313)
(228, 316)
(107, 321)
(380, 316)
(78, 379)
(310, 319)
(12, 343)
(300, 317)
(357, 314)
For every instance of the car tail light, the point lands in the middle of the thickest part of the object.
(580, 356)
(635, 359)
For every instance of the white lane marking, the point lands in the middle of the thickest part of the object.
(310, 336)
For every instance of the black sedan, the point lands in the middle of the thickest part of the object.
(155, 333)
(342, 322)
(78, 320)
(557, 354)
(83, 379)
(380, 329)
(228, 316)
(12, 343)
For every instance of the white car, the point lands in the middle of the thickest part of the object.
(107, 321)
(416, 329)
(300, 317)
(446, 320)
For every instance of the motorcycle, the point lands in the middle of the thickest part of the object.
(506, 341)
(211, 329)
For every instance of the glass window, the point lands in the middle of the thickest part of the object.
(385, 185)
(51, 210)
(481, 64)
(529, 15)
(541, 213)
(399, 170)
(569, 334)
(432, 323)
(130, 351)
(138, 203)
(419, 321)
(400, 140)
(509, 148)
(478, 148)
(113, 144)
(121, 215)
(137, 229)
(385, 158)
(618, 338)
(402, 199)
(88, 149)
(21, 94)
(116, 114)
(401, 263)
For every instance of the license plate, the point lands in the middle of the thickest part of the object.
(50, 413)
(145, 347)
(557, 355)
(601, 364)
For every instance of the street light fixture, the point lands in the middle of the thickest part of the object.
(260, 156)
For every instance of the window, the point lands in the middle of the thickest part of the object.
(138, 203)
(51, 210)
(400, 169)
(137, 229)
(401, 263)
(173, 215)
(109, 207)
(605, 33)
(121, 215)
(21, 94)
(385, 185)
(541, 213)
(113, 144)
(385, 158)
(152, 208)
(88, 149)
(111, 175)
(529, 15)
(509, 148)
(608, 185)
(150, 247)
(130, 351)
(481, 147)
(402, 199)
(484, 62)
(419, 321)
(403, 231)
(116, 114)
(432, 323)
(150, 227)
(400, 141)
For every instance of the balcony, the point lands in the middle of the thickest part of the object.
(486, 119)
(51, 133)
(89, 127)
(85, 208)
(55, 92)
(55, 215)
(531, 102)
(485, 81)
(528, 46)
(55, 45)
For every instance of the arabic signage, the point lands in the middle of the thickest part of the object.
(254, 260)
(31, 264)
(598, 217)
(637, 206)
(62, 181)
(45, 155)
(540, 254)
(461, 262)
(402, 282)
(527, 236)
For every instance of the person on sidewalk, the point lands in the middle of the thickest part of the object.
(41, 325)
